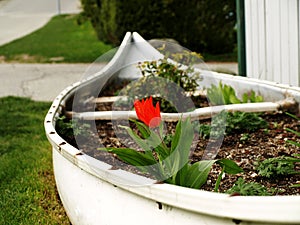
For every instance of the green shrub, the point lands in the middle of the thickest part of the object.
(201, 25)
(166, 82)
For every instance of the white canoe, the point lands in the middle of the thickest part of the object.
(94, 194)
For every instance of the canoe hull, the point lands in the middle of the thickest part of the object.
(93, 194)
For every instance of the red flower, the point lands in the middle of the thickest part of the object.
(147, 113)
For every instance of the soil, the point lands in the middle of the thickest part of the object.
(259, 145)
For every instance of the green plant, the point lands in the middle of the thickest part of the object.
(228, 166)
(183, 76)
(294, 142)
(244, 122)
(244, 137)
(251, 97)
(69, 128)
(224, 94)
(278, 166)
(235, 122)
(167, 82)
(176, 19)
(205, 131)
(169, 163)
(293, 131)
(249, 189)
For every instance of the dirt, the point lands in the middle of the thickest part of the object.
(245, 148)
(260, 145)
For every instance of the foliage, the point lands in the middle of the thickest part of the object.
(62, 39)
(225, 94)
(235, 122)
(228, 166)
(244, 122)
(251, 97)
(244, 137)
(249, 189)
(171, 164)
(69, 128)
(205, 131)
(297, 144)
(171, 161)
(213, 21)
(293, 131)
(222, 95)
(277, 166)
(168, 162)
(167, 82)
(27, 185)
(183, 76)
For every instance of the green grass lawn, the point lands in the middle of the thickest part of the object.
(28, 194)
(61, 40)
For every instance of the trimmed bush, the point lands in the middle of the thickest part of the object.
(205, 26)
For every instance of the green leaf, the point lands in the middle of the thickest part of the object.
(293, 143)
(293, 131)
(152, 139)
(295, 186)
(131, 156)
(176, 136)
(181, 145)
(293, 116)
(173, 165)
(245, 98)
(215, 95)
(278, 166)
(234, 100)
(258, 98)
(229, 166)
(196, 174)
(143, 162)
(249, 189)
(137, 139)
(181, 175)
(226, 94)
(144, 129)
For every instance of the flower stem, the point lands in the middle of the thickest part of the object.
(160, 134)
(218, 182)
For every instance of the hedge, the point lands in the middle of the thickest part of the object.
(206, 26)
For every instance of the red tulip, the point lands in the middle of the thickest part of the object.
(147, 113)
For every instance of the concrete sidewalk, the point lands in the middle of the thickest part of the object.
(43, 82)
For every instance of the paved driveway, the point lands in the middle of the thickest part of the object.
(21, 17)
(41, 82)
